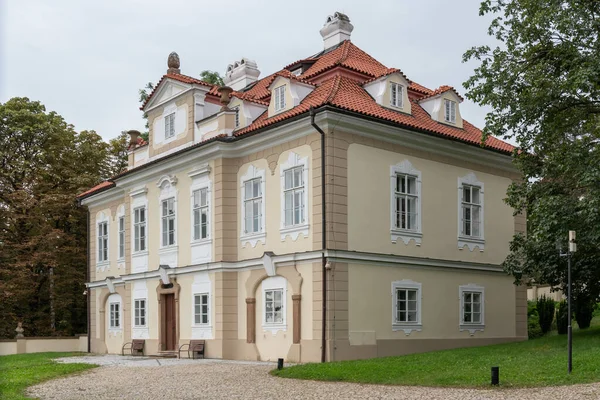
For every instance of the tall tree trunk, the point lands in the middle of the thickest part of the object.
(52, 312)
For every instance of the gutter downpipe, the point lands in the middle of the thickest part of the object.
(87, 263)
(324, 238)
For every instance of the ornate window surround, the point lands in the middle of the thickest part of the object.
(471, 327)
(102, 217)
(294, 160)
(405, 167)
(470, 241)
(253, 238)
(407, 327)
(274, 283)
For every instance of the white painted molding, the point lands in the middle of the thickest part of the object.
(471, 241)
(406, 327)
(254, 237)
(202, 285)
(294, 160)
(471, 327)
(406, 235)
(171, 179)
(269, 264)
(200, 170)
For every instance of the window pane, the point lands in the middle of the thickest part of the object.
(467, 297)
(402, 294)
(476, 221)
(247, 190)
(467, 194)
(412, 295)
(269, 295)
(288, 179)
(412, 185)
(475, 195)
(204, 197)
(412, 316)
(476, 297)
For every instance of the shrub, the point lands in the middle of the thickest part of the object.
(531, 308)
(533, 327)
(562, 319)
(584, 312)
(545, 310)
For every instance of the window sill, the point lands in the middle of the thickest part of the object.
(168, 249)
(406, 236)
(253, 238)
(294, 231)
(202, 331)
(407, 328)
(274, 328)
(139, 253)
(472, 328)
(199, 242)
(471, 243)
(102, 265)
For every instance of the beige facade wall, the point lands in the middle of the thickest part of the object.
(369, 173)
(535, 292)
(8, 347)
(386, 100)
(440, 301)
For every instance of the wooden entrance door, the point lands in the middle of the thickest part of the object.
(168, 323)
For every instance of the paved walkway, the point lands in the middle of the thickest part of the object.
(216, 379)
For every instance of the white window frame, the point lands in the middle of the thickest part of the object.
(100, 243)
(139, 199)
(200, 209)
(199, 295)
(471, 241)
(168, 218)
(170, 125)
(253, 237)
(397, 91)
(274, 283)
(472, 327)
(407, 327)
(294, 160)
(137, 313)
(279, 95)
(406, 235)
(201, 249)
(450, 111)
(121, 228)
(114, 307)
(140, 241)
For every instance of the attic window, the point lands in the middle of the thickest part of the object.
(297, 71)
(396, 95)
(280, 98)
(450, 111)
(170, 126)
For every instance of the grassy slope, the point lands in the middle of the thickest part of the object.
(538, 362)
(17, 372)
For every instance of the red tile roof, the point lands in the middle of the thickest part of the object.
(98, 188)
(340, 92)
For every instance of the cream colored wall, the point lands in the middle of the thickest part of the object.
(186, 310)
(371, 315)
(273, 346)
(51, 345)
(152, 316)
(273, 206)
(369, 208)
(184, 103)
(7, 348)
(242, 296)
(535, 292)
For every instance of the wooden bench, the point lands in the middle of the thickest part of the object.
(136, 347)
(195, 348)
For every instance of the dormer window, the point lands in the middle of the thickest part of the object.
(280, 98)
(450, 113)
(396, 94)
(170, 126)
(237, 116)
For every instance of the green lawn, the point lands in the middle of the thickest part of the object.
(17, 372)
(537, 362)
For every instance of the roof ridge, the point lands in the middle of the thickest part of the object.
(345, 52)
(335, 87)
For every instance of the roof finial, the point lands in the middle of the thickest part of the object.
(173, 64)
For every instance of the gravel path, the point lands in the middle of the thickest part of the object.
(213, 379)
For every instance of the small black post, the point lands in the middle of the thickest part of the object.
(280, 363)
(495, 376)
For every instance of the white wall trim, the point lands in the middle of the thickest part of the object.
(405, 167)
(407, 327)
(202, 285)
(471, 327)
(253, 238)
(294, 160)
(271, 283)
(114, 298)
(470, 241)
(102, 217)
(201, 249)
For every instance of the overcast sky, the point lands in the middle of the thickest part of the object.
(86, 60)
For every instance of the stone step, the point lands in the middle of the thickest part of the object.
(165, 354)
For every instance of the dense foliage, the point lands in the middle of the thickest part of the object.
(562, 318)
(584, 312)
(546, 311)
(543, 84)
(44, 164)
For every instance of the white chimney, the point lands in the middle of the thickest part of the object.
(337, 28)
(241, 74)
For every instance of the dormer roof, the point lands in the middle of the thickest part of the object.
(442, 89)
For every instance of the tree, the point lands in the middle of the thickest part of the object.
(212, 77)
(543, 85)
(44, 164)
(144, 94)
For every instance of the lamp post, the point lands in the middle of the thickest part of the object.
(570, 250)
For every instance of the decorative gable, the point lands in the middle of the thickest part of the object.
(246, 111)
(390, 91)
(443, 106)
(286, 94)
